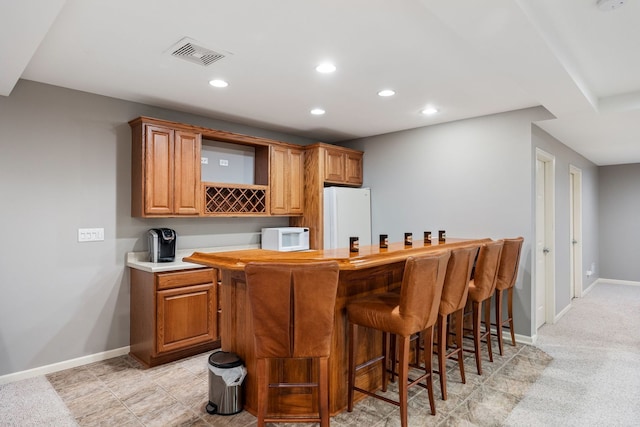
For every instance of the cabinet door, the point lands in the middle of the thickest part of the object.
(287, 180)
(296, 181)
(186, 316)
(278, 180)
(159, 172)
(353, 168)
(187, 173)
(333, 165)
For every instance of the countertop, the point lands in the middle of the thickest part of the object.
(367, 257)
(139, 260)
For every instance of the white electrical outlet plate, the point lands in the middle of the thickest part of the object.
(90, 234)
(224, 162)
(204, 160)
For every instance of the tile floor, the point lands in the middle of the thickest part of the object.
(118, 392)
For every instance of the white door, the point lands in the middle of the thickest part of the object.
(540, 244)
(545, 231)
(575, 203)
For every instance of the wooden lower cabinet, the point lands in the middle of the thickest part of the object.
(173, 314)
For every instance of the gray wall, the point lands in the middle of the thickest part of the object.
(65, 164)
(564, 157)
(470, 177)
(474, 178)
(620, 222)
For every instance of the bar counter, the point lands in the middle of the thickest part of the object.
(371, 270)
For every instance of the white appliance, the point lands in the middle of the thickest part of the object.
(347, 213)
(285, 239)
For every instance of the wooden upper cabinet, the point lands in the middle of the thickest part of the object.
(325, 165)
(187, 194)
(286, 180)
(334, 165)
(158, 170)
(342, 166)
(353, 168)
(165, 171)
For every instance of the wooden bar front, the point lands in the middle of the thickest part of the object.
(372, 270)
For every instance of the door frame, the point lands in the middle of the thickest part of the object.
(575, 200)
(549, 161)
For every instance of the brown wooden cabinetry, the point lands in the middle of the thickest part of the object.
(166, 178)
(286, 180)
(165, 171)
(173, 314)
(342, 166)
(325, 165)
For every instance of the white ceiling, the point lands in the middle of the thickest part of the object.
(466, 57)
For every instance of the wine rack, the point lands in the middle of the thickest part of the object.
(235, 199)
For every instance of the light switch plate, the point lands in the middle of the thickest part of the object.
(90, 234)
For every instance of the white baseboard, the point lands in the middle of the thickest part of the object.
(523, 339)
(562, 313)
(60, 366)
(591, 286)
(618, 282)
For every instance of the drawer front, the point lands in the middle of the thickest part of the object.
(176, 279)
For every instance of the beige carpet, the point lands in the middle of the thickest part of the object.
(594, 378)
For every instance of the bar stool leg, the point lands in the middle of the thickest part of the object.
(393, 357)
(428, 365)
(263, 390)
(353, 336)
(403, 379)
(477, 308)
(510, 314)
(384, 361)
(442, 353)
(459, 320)
(323, 391)
(487, 323)
(499, 318)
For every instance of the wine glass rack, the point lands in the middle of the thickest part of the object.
(235, 199)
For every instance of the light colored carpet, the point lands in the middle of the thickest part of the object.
(33, 402)
(594, 378)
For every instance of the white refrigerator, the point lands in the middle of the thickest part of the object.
(347, 213)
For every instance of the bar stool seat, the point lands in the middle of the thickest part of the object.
(413, 310)
(293, 308)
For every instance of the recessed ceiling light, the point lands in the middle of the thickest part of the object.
(386, 92)
(429, 111)
(218, 83)
(326, 68)
(317, 111)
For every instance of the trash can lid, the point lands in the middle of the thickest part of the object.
(224, 359)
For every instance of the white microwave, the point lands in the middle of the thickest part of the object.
(285, 239)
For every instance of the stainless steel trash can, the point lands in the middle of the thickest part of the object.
(225, 368)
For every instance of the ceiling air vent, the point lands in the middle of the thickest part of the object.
(189, 51)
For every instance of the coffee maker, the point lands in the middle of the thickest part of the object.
(162, 245)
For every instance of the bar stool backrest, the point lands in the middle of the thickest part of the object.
(421, 291)
(486, 273)
(456, 282)
(509, 262)
(293, 307)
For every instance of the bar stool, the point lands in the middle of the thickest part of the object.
(481, 288)
(454, 299)
(293, 306)
(507, 275)
(413, 310)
